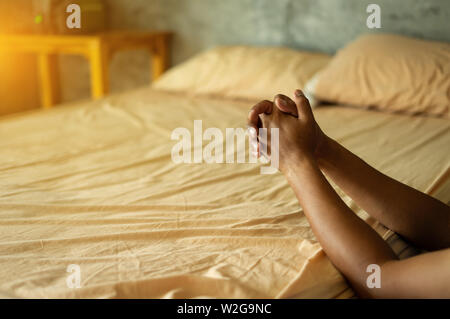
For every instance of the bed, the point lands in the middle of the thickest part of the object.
(93, 184)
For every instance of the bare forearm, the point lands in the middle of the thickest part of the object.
(416, 216)
(348, 241)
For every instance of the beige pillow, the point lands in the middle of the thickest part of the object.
(391, 73)
(244, 72)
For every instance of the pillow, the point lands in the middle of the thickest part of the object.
(254, 73)
(391, 73)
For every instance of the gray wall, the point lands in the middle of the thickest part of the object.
(319, 25)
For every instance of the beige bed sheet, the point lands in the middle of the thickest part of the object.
(94, 185)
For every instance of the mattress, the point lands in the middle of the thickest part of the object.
(93, 184)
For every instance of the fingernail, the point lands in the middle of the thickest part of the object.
(281, 101)
(299, 93)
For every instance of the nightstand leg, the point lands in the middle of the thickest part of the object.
(49, 79)
(99, 59)
(160, 58)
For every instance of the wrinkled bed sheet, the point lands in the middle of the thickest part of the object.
(93, 184)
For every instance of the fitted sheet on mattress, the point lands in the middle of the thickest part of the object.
(93, 184)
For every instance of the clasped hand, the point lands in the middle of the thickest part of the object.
(300, 137)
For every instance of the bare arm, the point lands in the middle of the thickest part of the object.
(418, 217)
(347, 240)
(352, 245)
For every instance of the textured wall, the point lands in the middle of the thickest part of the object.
(321, 25)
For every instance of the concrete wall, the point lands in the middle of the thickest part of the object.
(320, 25)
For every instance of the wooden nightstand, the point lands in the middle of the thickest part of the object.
(97, 48)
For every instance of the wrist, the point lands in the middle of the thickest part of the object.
(295, 161)
(326, 151)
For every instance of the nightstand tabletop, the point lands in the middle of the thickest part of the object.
(97, 48)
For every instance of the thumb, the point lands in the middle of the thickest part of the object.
(302, 103)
